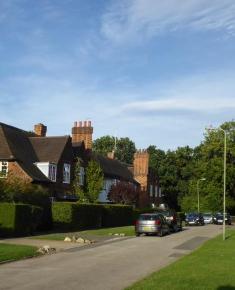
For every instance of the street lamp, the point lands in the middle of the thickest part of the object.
(198, 200)
(224, 196)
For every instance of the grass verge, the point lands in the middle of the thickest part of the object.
(10, 252)
(127, 230)
(210, 267)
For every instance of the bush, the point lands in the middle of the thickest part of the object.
(16, 190)
(117, 215)
(18, 219)
(75, 216)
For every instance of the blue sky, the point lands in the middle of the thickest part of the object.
(156, 71)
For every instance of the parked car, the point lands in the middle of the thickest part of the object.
(208, 218)
(219, 218)
(194, 219)
(174, 221)
(151, 223)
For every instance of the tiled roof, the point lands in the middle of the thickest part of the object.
(49, 148)
(15, 145)
(114, 168)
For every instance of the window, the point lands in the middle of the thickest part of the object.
(52, 172)
(3, 169)
(151, 190)
(81, 176)
(66, 173)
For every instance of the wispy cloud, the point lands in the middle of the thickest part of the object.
(135, 19)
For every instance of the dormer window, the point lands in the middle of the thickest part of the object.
(3, 169)
(48, 169)
(66, 173)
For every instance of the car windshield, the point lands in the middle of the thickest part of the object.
(192, 215)
(148, 217)
(207, 215)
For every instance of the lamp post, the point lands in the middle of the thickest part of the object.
(224, 195)
(198, 198)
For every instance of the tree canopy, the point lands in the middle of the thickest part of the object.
(180, 169)
(124, 151)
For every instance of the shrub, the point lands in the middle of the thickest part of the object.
(116, 215)
(75, 216)
(16, 190)
(72, 216)
(123, 192)
(18, 219)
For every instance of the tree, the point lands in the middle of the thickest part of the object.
(123, 192)
(94, 181)
(124, 151)
(77, 188)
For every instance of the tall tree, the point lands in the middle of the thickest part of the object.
(94, 181)
(124, 147)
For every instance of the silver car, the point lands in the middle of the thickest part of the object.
(208, 218)
(151, 223)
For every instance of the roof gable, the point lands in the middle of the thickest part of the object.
(49, 149)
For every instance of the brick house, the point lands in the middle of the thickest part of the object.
(36, 158)
(50, 161)
(139, 173)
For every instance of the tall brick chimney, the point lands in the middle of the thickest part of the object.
(40, 130)
(82, 131)
(141, 168)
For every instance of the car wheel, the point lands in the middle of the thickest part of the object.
(137, 234)
(160, 233)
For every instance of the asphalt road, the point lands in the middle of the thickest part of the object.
(112, 265)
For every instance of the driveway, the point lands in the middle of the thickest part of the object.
(112, 265)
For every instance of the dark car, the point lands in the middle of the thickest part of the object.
(194, 219)
(174, 222)
(219, 218)
(151, 223)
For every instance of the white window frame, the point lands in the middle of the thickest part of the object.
(52, 170)
(3, 169)
(81, 176)
(66, 173)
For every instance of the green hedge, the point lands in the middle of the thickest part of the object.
(117, 215)
(72, 216)
(18, 219)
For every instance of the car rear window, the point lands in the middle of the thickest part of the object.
(147, 217)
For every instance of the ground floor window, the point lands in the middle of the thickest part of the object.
(3, 169)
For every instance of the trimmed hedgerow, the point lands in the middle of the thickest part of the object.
(18, 219)
(117, 215)
(70, 216)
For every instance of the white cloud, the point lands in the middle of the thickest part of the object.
(135, 19)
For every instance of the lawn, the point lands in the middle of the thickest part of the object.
(210, 267)
(127, 230)
(16, 252)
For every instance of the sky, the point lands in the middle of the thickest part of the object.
(155, 71)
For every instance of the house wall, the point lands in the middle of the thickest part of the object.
(15, 170)
(59, 188)
(108, 182)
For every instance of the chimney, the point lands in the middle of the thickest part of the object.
(40, 130)
(82, 131)
(111, 155)
(141, 168)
